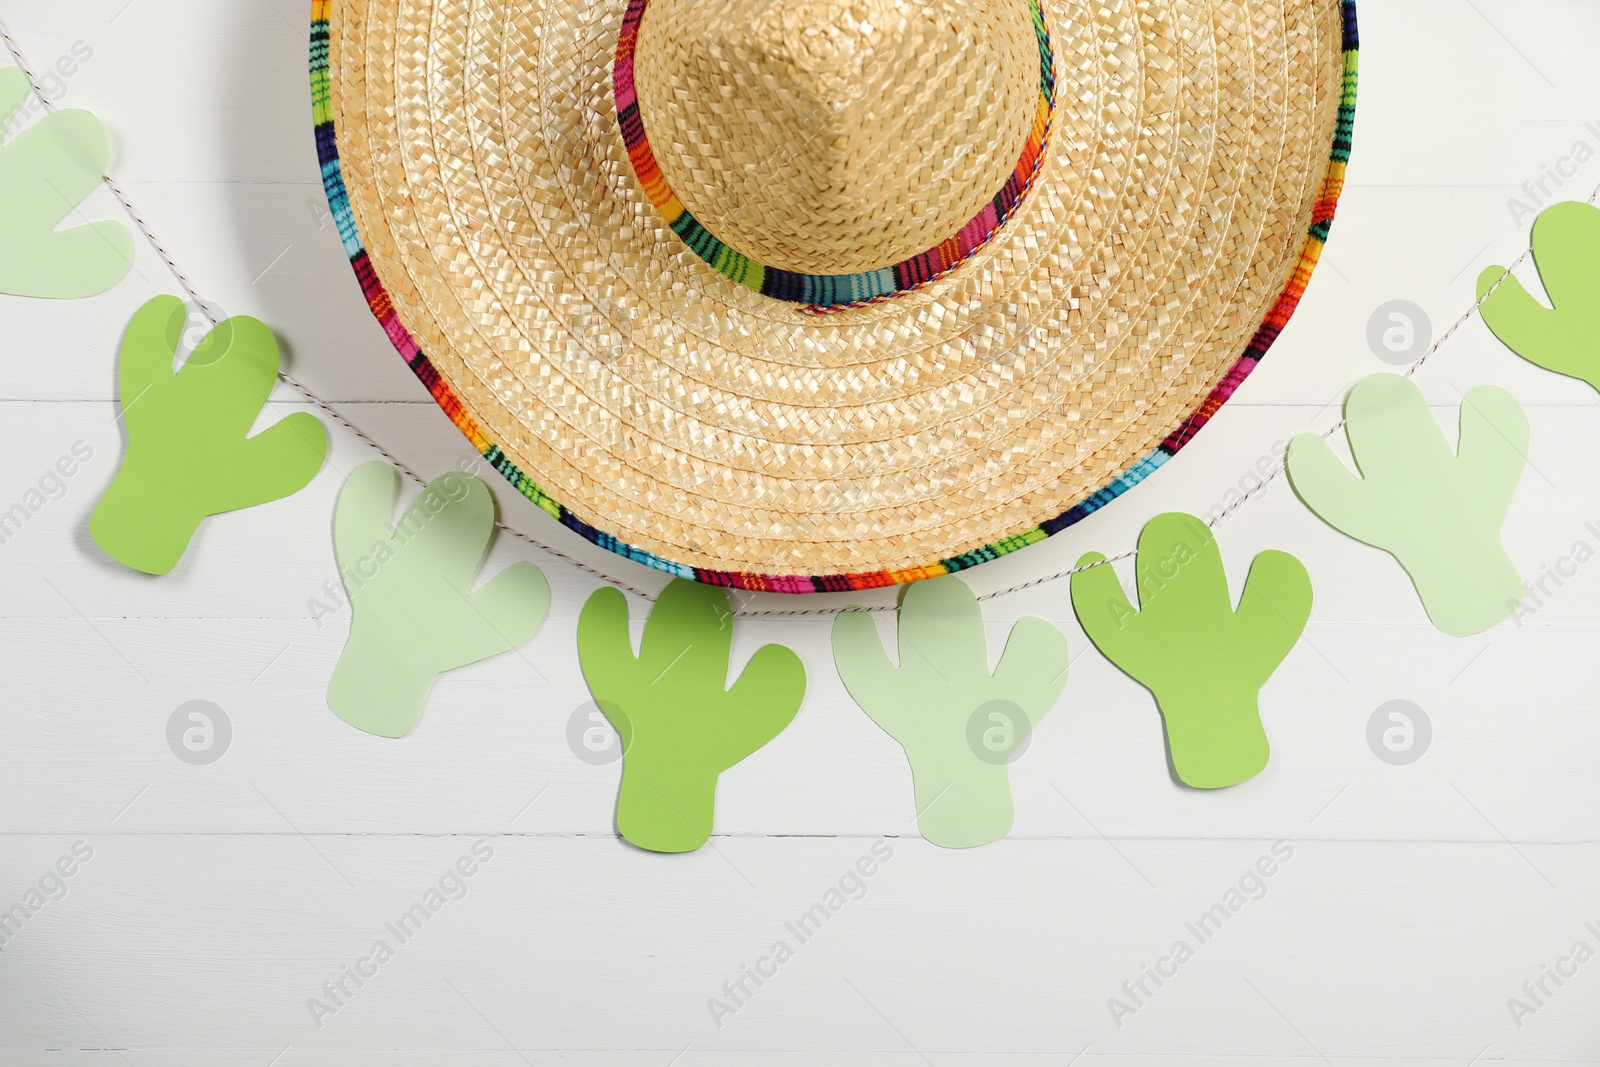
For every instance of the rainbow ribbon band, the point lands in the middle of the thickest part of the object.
(827, 291)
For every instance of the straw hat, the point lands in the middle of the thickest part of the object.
(827, 294)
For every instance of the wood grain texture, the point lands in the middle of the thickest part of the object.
(220, 898)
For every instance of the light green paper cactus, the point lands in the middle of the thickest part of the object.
(415, 613)
(959, 723)
(188, 454)
(46, 170)
(1438, 512)
(680, 723)
(1564, 338)
(1204, 661)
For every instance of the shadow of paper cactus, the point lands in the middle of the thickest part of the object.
(1564, 338)
(930, 700)
(1204, 661)
(415, 614)
(188, 454)
(46, 170)
(681, 724)
(1438, 512)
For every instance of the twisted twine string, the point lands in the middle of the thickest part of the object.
(205, 309)
(283, 376)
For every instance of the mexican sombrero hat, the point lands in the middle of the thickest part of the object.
(809, 295)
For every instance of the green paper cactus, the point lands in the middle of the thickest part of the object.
(1204, 661)
(188, 454)
(1564, 338)
(415, 613)
(680, 724)
(1438, 512)
(46, 170)
(959, 723)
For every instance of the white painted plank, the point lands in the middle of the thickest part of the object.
(86, 740)
(586, 946)
(204, 921)
(235, 625)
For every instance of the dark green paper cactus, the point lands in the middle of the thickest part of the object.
(1564, 338)
(1205, 661)
(680, 723)
(189, 456)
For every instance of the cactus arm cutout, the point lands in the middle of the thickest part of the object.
(1275, 605)
(765, 688)
(502, 603)
(415, 614)
(959, 724)
(859, 657)
(870, 677)
(688, 639)
(1104, 610)
(1312, 462)
(1018, 678)
(274, 465)
(1438, 512)
(1564, 338)
(189, 456)
(1387, 419)
(46, 170)
(680, 723)
(1204, 662)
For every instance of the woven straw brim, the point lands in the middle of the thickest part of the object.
(484, 195)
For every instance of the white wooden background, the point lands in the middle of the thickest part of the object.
(220, 898)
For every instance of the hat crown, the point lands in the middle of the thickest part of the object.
(825, 46)
(836, 136)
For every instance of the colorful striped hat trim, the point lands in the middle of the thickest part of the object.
(383, 309)
(827, 292)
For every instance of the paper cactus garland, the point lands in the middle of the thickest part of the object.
(1564, 338)
(680, 722)
(959, 724)
(415, 613)
(1436, 511)
(188, 454)
(1439, 511)
(1205, 661)
(46, 170)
